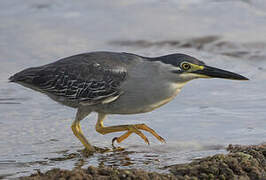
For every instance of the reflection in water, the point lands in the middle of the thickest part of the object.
(149, 159)
(122, 159)
(116, 158)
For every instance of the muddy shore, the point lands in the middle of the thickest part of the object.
(242, 162)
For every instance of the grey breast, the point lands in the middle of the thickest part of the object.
(89, 78)
(147, 87)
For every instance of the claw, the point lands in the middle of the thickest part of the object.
(118, 148)
(113, 140)
(161, 139)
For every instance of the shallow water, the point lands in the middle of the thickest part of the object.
(205, 117)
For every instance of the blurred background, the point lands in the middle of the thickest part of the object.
(205, 117)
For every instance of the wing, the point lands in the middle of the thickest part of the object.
(88, 82)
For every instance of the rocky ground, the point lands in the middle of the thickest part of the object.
(242, 162)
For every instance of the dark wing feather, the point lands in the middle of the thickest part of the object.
(82, 81)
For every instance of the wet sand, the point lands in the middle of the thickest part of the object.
(242, 162)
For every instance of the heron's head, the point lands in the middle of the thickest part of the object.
(187, 68)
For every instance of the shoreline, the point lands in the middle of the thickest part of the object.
(241, 162)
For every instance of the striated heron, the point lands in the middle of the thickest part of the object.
(116, 83)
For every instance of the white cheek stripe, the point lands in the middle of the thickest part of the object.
(190, 76)
(178, 68)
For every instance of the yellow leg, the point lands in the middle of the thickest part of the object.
(142, 127)
(122, 138)
(130, 128)
(78, 132)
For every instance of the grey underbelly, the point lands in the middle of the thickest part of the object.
(117, 108)
(141, 93)
(123, 105)
(135, 103)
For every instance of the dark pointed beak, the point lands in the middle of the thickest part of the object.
(213, 72)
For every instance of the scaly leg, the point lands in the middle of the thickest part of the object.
(130, 128)
(142, 127)
(77, 130)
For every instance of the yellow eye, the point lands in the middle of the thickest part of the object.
(185, 66)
